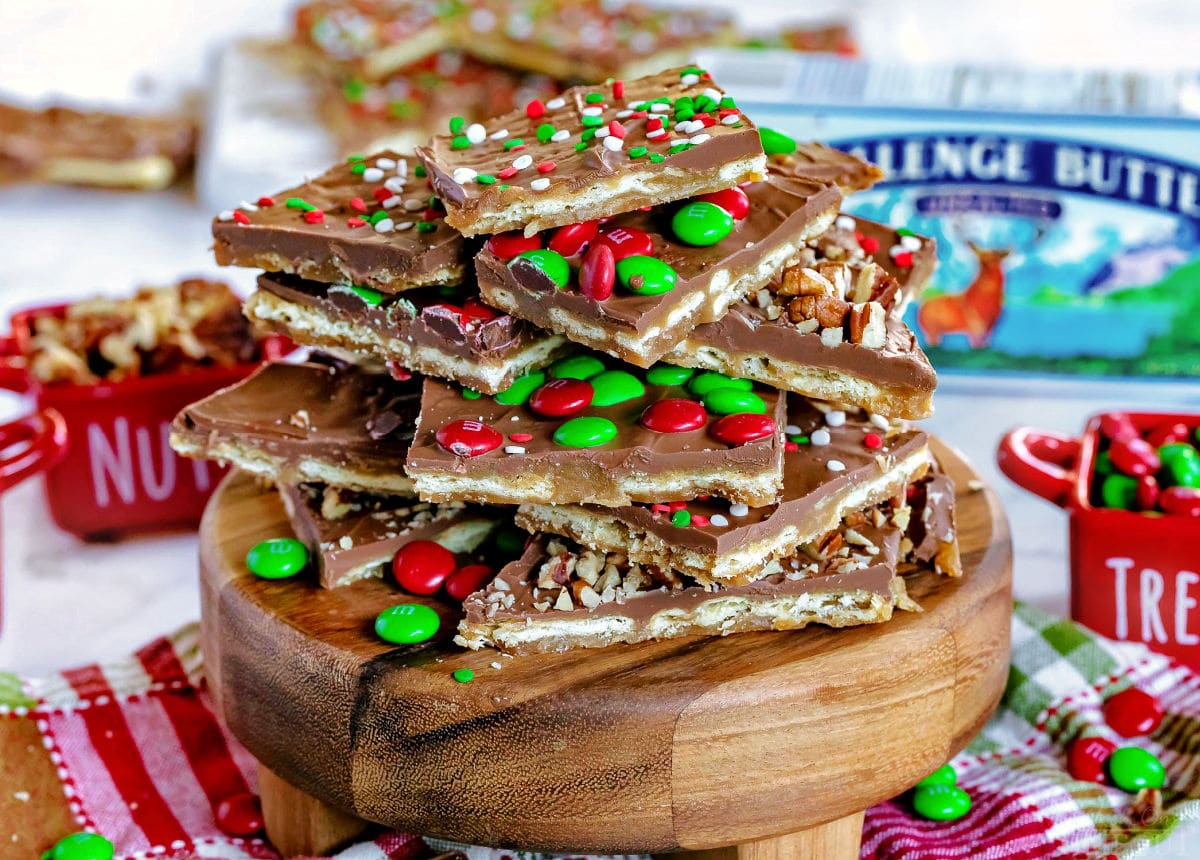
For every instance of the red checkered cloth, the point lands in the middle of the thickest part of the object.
(134, 751)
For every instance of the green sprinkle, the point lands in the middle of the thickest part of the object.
(354, 89)
(403, 109)
(457, 125)
(691, 70)
(587, 134)
(545, 131)
(592, 121)
(704, 104)
(460, 142)
(375, 217)
(637, 151)
(463, 676)
(372, 297)
(799, 439)
(681, 518)
(419, 171)
(904, 231)
(358, 168)
(350, 159)
(298, 203)
(727, 103)
(679, 147)
(485, 179)
(580, 147)
(516, 141)
(657, 158)
(593, 98)
(426, 226)
(504, 187)
(471, 394)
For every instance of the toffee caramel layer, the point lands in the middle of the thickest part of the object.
(294, 423)
(437, 331)
(594, 152)
(367, 221)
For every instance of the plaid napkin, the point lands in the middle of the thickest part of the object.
(133, 750)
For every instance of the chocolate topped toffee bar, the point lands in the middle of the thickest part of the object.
(836, 462)
(441, 331)
(591, 431)
(293, 423)
(368, 221)
(594, 152)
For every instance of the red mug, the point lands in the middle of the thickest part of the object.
(27, 446)
(1134, 576)
(119, 475)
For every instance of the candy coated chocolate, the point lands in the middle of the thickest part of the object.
(1132, 712)
(522, 387)
(944, 775)
(701, 223)
(743, 427)
(552, 265)
(615, 386)
(1167, 433)
(577, 367)
(735, 201)
(277, 558)
(1134, 456)
(561, 397)
(407, 624)
(467, 438)
(941, 802)
(1147, 493)
(726, 401)
(420, 567)
(240, 815)
(585, 432)
(1087, 757)
(1184, 501)
(626, 242)
(674, 415)
(1132, 769)
(1117, 425)
(81, 846)
(514, 242)
(646, 276)
(1119, 491)
(467, 580)
(598, 273)
(570, 240)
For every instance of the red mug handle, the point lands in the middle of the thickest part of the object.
(14, 372)
(40, 441)
(1040, 461)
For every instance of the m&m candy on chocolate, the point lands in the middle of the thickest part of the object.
(467, 438)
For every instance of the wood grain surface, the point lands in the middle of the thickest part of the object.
(693, 743)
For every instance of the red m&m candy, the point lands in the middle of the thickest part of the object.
(1132, 455)
(1167, 433)
(1133, 712)
(674, 415)
(1117, 425)
(561, 397)
(627, 242)
(467, 438)
(467, 580)
(422, 566)
(570, 240)
(735, 201)
(1180, 500)
(239, 815)
(1087, 756)
(742, 427)
(508, 245)
(598, 273)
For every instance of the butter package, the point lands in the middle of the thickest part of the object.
(1065, 204)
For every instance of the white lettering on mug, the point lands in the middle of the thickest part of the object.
(108, 464)
(1151, 593)
(157, 487)
(1120, 567)
(1184, 603)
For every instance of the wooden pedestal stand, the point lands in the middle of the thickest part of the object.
(771, 742)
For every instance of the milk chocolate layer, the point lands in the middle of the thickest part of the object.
(815, 498)
(364, 222)
(596, 180)
(641, 328)
(933, 530)
(637, 464)
(308, 422)
(59, 144)
(445, 332)
(818, 162)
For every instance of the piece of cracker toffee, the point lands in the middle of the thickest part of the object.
(590, 429)
(635, 285)
(440, 331)
(292, 423)
(367, 221)
(836, 462)
(594, 152)
(829, 326)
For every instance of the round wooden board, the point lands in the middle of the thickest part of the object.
(692, 743)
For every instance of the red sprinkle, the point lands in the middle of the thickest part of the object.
(699, 520)
(904, 259)
(355, 222)
(508, 245)
(654, 123)
(535, 109)
(432, 214)
(467, 580)
(561, 397)
(358, 205)
(618, 89)
(873, 441)
(420, 567)
(571, 239)
(314, 216)
(546, 167)
(266, 201)
(467, 438)
(676, 506)
(507, 173)
(869, 244)
(791, 446)
(708, 121)
(616, 129)
(1087, 756)
(380, 194)
(743, 427)
(1132, 712)
(660, 508)
(674, 415)
(520, 437)
(240, 217)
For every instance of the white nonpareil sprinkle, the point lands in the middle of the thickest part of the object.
(713, 94)
(835, 418)
(248, 206)
(514, 449)
(404, 225)
(540, 184)
(385, 163)
(593, 110)
(655, 135)
(482, 20)
(820, 437)
(390, 202)
(845, 222)
(394, 184)
(718, 520)
(555, 104)
(402, 169)
(897, 249)
(835, 466)
(372, 174)
(700, 138)
(613, 143)
(560, 135)
(737, 509)
(603, 132)
(384, 225)
(413, 205)
(499, 134)
(346, 542)
(910, 243)
(624, 114)
(226, 215)
(880, 421)
(690, 80)
(732, 119)
(463, 174)
(660, 108)
(523, 161)
(476, 133)
(496, 664)
(792, 429)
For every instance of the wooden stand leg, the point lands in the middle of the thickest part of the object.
(298, 824)
(837, 840)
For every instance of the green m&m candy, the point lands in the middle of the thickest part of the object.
(1132, 769)
(588, 431)
(726, 401)
(577, 367)
(776, 142)
(646, 276)
(277, 558)
(81, 846)
(407, 623)
(701, 223)
(1119, 491)
(1182, 462)
(510, 540)
(550, 263)
(615, 386)
(1104, 464)
(941, 802)
(522, 387)
(668, 374)
(709, 380)
(944, 775)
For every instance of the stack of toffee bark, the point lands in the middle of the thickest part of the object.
(625, 319)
